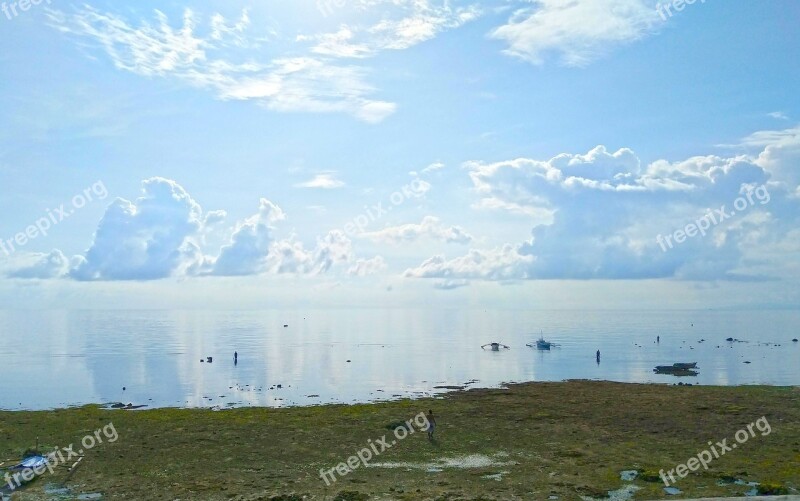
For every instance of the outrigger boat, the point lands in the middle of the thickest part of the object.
(541, 344)
(31, 466)
(495, 346)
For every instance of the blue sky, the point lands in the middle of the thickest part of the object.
(408, 152)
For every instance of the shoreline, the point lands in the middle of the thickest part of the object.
(569, 439)
(436, 392)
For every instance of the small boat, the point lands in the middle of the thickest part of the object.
(495, 346)
(679, 369)
(31, 463)
(28, 469)
(541, 344)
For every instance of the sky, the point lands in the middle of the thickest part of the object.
(400, 153)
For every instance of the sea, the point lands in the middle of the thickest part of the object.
(58, 359)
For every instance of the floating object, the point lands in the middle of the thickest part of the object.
(794, 340)
(541, 344)
(495, 346)
(679, 369)
(285, 325)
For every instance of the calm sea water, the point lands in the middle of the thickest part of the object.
(65, 358)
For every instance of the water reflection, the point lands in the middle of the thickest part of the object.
(57, 359)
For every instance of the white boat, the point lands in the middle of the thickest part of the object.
(495, 346)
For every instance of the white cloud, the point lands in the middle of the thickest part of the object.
(325, 181)
(41, 266)
(778, 115)
(781, 153)
(600, 214)
(285, 84)
(160, 235)
(433, 167)
(418, 21)
(505, 263)
(246, 254)
(448, 285)
(151, 238)
(577, 31)
(365, 267)
(430, 227)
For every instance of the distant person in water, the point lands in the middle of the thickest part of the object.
(598, 356)
(431, 424)
(235, 357)
(658, 339)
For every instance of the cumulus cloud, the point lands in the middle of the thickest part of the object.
(600, 213)
(246, 254)
(43, 266)
(151, 238)
(505, 263)
(576, 31)
(781, 154)
(253, 250)
(160, 235)
(430, 227)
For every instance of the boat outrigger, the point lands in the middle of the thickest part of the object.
(495, 346)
